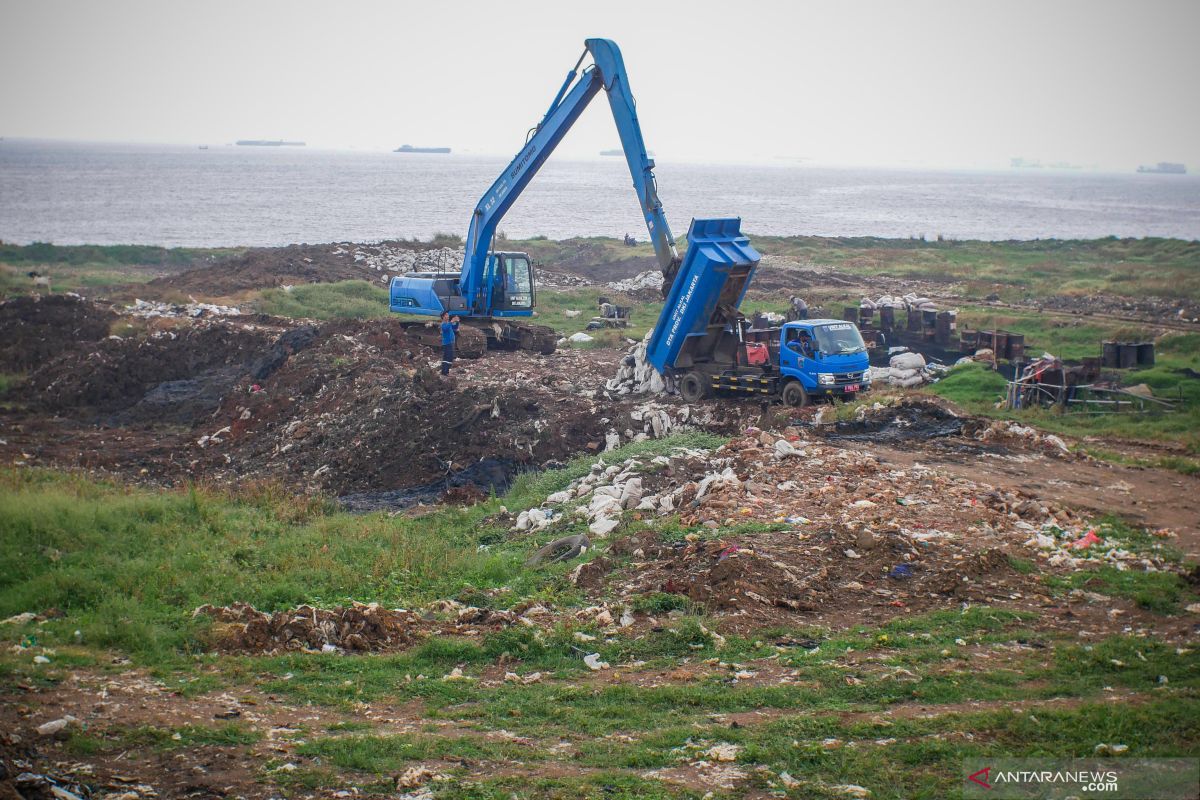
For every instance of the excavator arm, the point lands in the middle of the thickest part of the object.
(608, 73)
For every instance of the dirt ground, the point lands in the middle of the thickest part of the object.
(909, 509)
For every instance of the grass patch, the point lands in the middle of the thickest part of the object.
(342, 300)
(975, 387)
(230, 735)
(129, 565)
(1156, 591)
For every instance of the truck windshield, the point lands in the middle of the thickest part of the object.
(839, 339)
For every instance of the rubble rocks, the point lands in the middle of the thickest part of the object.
(650, 280)
(147, 309)
(843, 531)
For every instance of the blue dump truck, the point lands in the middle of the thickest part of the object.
(701, 341)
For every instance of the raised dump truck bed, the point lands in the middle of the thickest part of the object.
(703, 345)
(702, 305)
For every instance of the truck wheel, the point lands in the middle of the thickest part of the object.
(794, 394)
(693, 387)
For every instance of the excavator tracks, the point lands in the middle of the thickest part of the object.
(520, 336)
(471, 342)
(475, 337)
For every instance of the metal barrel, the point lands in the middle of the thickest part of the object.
(1145, 354)
(1112, 357)
(1129, 355)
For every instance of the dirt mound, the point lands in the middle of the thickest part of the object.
(117, 373)
(266, 267)
(34, 329)
(773, 524)
(358, 627)
(361, 411)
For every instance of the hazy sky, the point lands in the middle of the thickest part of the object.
(956, 83)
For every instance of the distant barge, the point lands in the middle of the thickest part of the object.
(1165, 168)
(268, 143)
(408, 148)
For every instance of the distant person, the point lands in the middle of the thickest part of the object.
(449, 335)
(798, 310)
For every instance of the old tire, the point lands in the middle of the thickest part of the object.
(693, 387)
(794, 395)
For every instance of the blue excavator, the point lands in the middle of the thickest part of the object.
(496, 290)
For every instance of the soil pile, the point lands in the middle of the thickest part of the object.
(266, 267)
(776, 523)
(34, 329)
(358, 627)
(361, 411)
(190, 364)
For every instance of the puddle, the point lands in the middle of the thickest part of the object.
(484, 476)
(898, 425)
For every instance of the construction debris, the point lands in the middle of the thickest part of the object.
(636, 375)
(146, 309)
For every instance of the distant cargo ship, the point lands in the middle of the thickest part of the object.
(1165, 168)
(408, 148)
(268, 143)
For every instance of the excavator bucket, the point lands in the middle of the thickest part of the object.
(704, 298)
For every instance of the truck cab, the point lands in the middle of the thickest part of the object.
(825, 357)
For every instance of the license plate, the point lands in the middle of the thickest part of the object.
(851, 387)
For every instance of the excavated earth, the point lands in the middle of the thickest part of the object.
(796, 521)
(345, 408)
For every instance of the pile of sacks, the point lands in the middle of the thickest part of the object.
(636, 375)
(907, 370)
(911, 302)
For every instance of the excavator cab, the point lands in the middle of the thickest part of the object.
(511, 279)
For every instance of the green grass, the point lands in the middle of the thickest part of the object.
(342, 300)
(1016, 270)
(1157, 591)
(8, 382)
(552, 304)
(975, 387)
(163, 739)
(112, 255)
(83, 268)
(129, 565)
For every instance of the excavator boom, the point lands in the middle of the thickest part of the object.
(495, 286)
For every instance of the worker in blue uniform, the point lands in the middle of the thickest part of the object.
(449, 334)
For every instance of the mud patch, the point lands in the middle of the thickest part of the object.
(910, 419)
(483, 478)
(117, 373)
